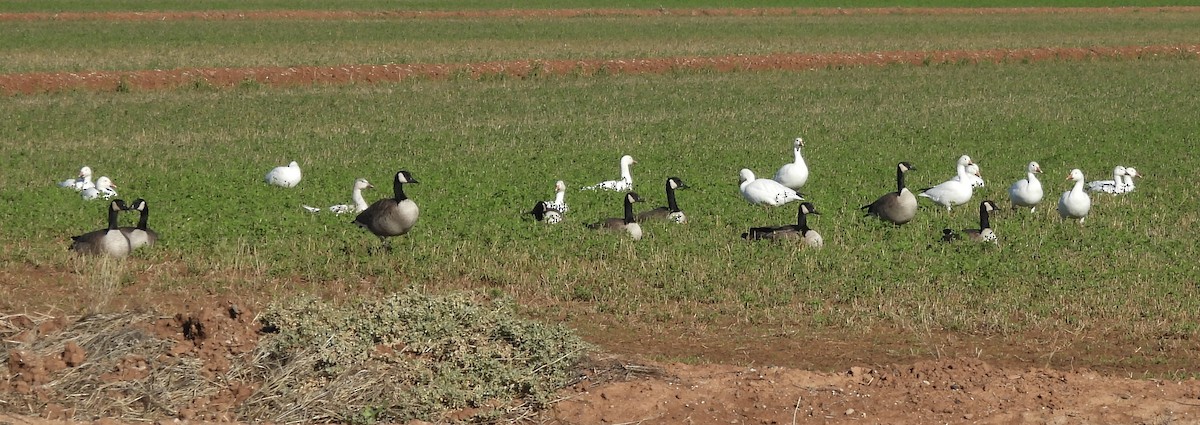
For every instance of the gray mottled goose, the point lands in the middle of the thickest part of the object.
(109, 241)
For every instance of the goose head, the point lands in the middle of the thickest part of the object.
(799, 143)
(1075, 175)
(1033, 167)
(1132, 172)
(632, 197)
(560, 186)
(973, 169)
(85, 172)
(404, 177)
(988, 206)
(964, 161)
(676, 183)
(808, 208)
(905, 167)
(361, 184)
(137, 205)
(1118, 172)
(745, 175)
(118, 205)
(104, 182)
(293, 164)
(627, 161)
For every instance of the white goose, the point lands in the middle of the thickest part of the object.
(795, 174)
(765, 191)
(83, 181)
(1027, 192)
(1075, 203)
(625, 184)
(1130, 173)
(104, 189)
(973, 177)
(559, 203)
(356, 196)
(1114, 186)
(551, 212)
(954, 191)
(288, 176)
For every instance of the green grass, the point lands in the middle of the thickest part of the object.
(486, 150)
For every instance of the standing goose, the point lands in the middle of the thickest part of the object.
(955, 191)
(671, 211)
(1114, 186)
(1075, 203)
(800, 230)
(109, 241)
(104, 188)
(765, 191)
(81, 182)
(984, 233)
(288, 176)
(356, 197)
(897, 207)
(141, 235)
(1027, 192)
(795, 174)
(393, 216)
(625, 184)
(626, 224)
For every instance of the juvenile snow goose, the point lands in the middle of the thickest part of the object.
(800, 230)
(288, 176)
(625, 184)
(955, 191)
(984, 233)
(1027, 192)
(104, 189)
(141, 235)
(359, 204)
(81, 182)
(897, 207)
(765, 191)
(671, 211)
(393, 216)
(1114, 186)
(795, 174)
(109, 241)
(627, 224)
(1075, 203)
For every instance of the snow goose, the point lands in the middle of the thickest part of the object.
(972, 176)
(108, 241)
(626, 224)
(670, 212)
(393, 216)
(954, 191)
(1114, 186)
(800, 230)
(1075, 203)
(104, 189)
(897, 207)
(625, 184)
(141, 235)
(1130, 173)
(984, 233)
(765, 191)
(81, 182)
(359, 204)
(1027, 192)
(795, 174)
(560, 198)
(288, 176)
(551, 212)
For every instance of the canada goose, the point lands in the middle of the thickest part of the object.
(391, 216)
(624, 184)
(141, 235)
(897, 207)
(109, 241)
(1075, 203)
(81, 182)
(800, 230)
(1114, 186)
(356, 197)
(765, 191)
(626, 224)
(956, 191)
(104, 189)
(983, 234)
(1027, 192)
(671, 211)
(794, 175)
(288, 176)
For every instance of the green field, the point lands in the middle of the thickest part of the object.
(485, 150)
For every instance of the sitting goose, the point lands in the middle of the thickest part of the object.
(109, 241)
(626, 224)
(800, 230)
(1130, 173)
(1114, 186)
(794, 174)
(560, 198)
(972, 176)
(104, 189)
(765, 191)
(551, 212)
(625, 184)
(897, 207)
(956, 191)
(1075, 203)
(983, 234)
(356, 196)
(288, 176)
(83, 181)
(671, 211)
(141, 235)
(1027, 192)
(393, 216)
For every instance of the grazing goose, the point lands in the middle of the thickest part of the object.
(954, 191)
(897, 207)
(356, 196)
(141, 235)
(983, 234)
(109, 241)
(83, 181)
(104, 188)
(625, 184)
(393, 216)
(671, 211)
(1027, 192)
(800, 230)
(972, 177)
(1130, 173)
(1075, 203)
(626, 224)
(765, 191)
(288, 176)
(1114, 186)
(795, 174)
